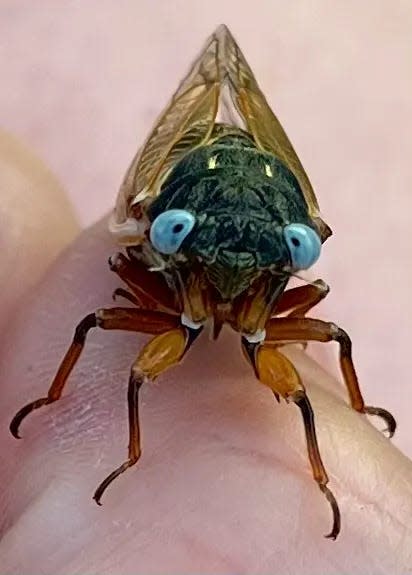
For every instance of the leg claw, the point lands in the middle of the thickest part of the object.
(335, 510)
(386, 416)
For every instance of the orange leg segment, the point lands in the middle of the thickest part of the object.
(281, 330)
(161, 353)
(116, 318)
(278, 373)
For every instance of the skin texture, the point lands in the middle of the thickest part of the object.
(224, 484)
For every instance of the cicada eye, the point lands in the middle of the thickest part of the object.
(304, 245)
(169, 229)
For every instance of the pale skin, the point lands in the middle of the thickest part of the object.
(224, 483)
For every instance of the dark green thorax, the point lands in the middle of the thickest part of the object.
(241, 198)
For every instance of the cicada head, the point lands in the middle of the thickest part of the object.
(236, 212)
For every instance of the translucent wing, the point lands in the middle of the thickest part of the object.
(186, 123)
(189, 120)
(261, 122)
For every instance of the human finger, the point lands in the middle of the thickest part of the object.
(223, 484)
(36, 221)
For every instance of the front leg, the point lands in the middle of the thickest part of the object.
(161, 353)
(273, 369)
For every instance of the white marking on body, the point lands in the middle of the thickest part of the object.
(130, 228)
(188, 322)
(268, 171)
(212, 163)
(114, 259)
(157, 268)
(256, 337)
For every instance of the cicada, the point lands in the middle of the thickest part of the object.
(214, 217)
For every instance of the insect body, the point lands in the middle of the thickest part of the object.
(214, 219)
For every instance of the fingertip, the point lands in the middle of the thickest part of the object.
(37, 220)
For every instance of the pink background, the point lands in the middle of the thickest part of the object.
(82, 83)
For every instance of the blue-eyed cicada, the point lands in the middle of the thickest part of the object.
(214, 219)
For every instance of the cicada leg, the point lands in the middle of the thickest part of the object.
(116, 318)
(306, 329)
(127, 295)
(161, 353)
(149, 289)
(278, 373)
(302, 299)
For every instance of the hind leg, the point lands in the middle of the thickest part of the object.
(306, 329)
(115, 318)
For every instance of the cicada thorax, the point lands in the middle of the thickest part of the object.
(231, 265)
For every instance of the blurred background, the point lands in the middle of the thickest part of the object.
(83, 82)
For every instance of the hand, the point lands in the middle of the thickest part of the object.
(223, 484)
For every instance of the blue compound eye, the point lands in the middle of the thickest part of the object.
(304, 245)
(169, 229)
